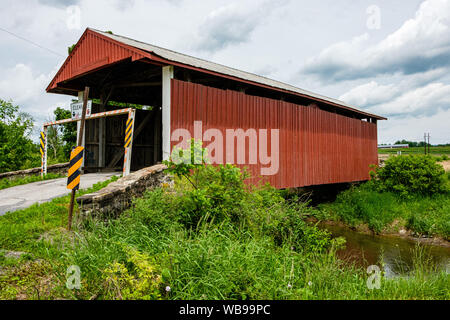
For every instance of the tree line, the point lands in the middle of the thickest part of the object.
(17, 148)
(413, 144)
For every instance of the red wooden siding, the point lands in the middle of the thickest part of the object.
(94, 51)
(316, 146)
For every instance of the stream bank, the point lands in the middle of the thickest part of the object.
(394, 253)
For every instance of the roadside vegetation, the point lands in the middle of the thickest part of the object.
(409, 192)
(12, 182)
(207, 236)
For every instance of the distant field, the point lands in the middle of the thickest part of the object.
(438, 151)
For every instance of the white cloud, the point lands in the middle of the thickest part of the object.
(233, 24)
(27, 89)
(420, 44)
(427, 100)
(412, 94)
(19, 84)
(369, 94)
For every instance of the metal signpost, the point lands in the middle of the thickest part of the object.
(43, 150)
(76, 161)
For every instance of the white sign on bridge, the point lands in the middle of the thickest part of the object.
(77, 108)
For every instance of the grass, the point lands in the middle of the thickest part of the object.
(437, 151)
(8, 183)
(20, 229)
(387, 212)
(215, 264)
(219, 264)
(261, 249)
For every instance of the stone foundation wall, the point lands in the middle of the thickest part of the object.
(112, 200)
(60, 168)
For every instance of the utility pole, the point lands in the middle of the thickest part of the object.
(428, 143)
(425, 142)
(80, 142)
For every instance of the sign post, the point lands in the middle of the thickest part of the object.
(43, 150)
(129, 131)
(76, 159)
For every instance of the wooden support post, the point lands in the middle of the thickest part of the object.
(41, 150)
(79, 133)
(129, 131)
(156, 135)
(101, 142)
(167, 76)
(101, 135)
(80, 141)
(44, 157)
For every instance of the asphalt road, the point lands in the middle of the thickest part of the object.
(21, 197)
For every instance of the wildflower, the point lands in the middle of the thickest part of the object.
(168, 289)
(289, 286)
(310, 283)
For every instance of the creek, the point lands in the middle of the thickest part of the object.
(397, 253)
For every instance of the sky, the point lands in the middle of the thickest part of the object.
(391, 58)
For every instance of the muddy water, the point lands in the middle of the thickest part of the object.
(396, 253)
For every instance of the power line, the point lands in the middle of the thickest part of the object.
(31, 42)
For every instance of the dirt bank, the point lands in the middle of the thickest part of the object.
(445, 164)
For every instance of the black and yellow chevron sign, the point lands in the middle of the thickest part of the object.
(76, 160)
(42, 139)
(128, 130)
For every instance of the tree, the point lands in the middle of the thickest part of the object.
(54, 141)
(413, 174)
(69, 131)
(70, 49)
(16, 148)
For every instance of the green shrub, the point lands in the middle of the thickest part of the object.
(414, 174)
(139, 280)
(218, 195)
(363, 204)
(284, 221)
(442, 158)
(429, 215)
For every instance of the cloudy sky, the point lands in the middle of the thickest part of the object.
(387, 57)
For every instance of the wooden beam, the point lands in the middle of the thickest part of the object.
(138, 84)
(105, 102)
(156, 135)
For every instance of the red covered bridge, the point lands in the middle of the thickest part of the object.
(319, 140)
